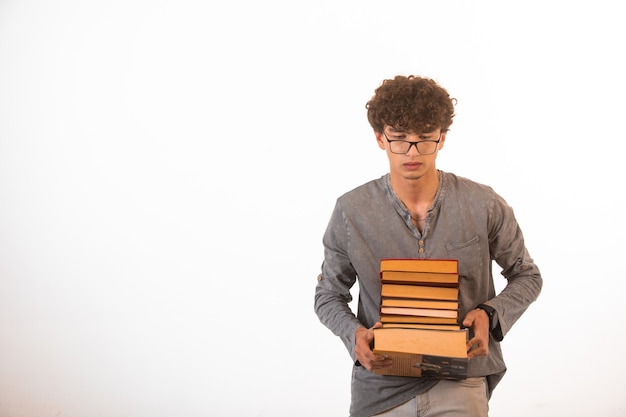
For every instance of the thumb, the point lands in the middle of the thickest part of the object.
(467, 322)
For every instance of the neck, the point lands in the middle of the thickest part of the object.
(417, 194)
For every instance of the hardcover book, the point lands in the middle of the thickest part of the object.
(419, 312)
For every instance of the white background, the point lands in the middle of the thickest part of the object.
(167, 170)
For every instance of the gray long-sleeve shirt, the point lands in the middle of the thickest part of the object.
(467, 221)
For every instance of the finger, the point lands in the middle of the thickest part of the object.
(467, 322)
(377, 362)
(474, 353)
(383, 362)
(477, 347)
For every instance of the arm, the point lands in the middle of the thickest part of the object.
(332, 293)
(524, 281)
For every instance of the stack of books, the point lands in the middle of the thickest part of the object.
(420, 317)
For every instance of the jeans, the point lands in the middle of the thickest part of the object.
(449, 398)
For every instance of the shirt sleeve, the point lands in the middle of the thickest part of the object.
(337, 277)
(524, 281)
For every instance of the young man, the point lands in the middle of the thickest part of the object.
(417, 211)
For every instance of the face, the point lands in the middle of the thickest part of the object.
(411, 164)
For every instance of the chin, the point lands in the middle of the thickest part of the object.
(413, 176)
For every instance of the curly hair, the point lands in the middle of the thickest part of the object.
(412, 104)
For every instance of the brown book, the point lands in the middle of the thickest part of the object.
(450, 266)
(426, 312)
(402, 318)
(420, 352)
(418, 303)
(421, 326)
(420, 291)
(408, 277)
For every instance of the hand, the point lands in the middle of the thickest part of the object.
(478, 321)
(368, 359)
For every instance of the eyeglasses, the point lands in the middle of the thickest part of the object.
(424, 147)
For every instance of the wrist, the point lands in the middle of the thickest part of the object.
(491, 313)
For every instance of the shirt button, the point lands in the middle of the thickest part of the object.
(421, 250)
(421, 242)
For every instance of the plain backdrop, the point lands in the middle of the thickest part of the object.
(167, 170)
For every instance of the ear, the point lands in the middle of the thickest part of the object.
(443, 140)
(380, 139)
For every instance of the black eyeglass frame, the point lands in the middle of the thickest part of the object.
(416, 144)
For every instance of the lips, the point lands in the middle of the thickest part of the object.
(412, 165)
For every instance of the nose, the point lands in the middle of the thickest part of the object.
(411, 146)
